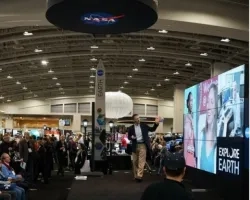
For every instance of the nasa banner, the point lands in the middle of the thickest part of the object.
(99, 17)
(229, 156)
(100, 121)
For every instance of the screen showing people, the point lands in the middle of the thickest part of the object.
(213, 108)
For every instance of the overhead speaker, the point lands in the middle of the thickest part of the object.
(102, 16)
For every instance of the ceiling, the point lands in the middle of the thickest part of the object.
(69, 57)
(68, 53)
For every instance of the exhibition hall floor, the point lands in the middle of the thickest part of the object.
(111, 187)
(57, 189)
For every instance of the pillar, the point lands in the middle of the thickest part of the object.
(9, 123)
(219, 68)
(178, 108)
(76, 124)
(161, 114)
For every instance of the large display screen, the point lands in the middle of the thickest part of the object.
(213, 116)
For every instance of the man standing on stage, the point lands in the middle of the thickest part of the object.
(138, 134)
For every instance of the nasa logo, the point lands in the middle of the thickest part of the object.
(100, 19)
(100, 72)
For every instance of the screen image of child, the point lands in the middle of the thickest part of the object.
(231, 111)
(207, 122)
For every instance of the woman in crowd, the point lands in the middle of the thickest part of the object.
(80, 158)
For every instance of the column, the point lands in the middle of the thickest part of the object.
(161, 114)
(219, 68)
(76, 124)
(178, 108)
(9, 123)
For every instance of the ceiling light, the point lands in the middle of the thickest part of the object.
(91, 82)
(44, 62)
(129, 76)
(94, 47)
(54, 78)
(26, 33)
(93, 59)
(152, 89)
(58, 83)
(92, 69)
(121, 87)
(24, 88)
(91, 87)
(176, 73)
(147, 93)
(9, 77)
(151, 48)
(188, 64)
(225, 40)
(18, 83)
(204, 54)
(166, 79)
(92, 76)
(125, 82)
(163, 31)
(142, 60)
(1, 97)
(1, 69)
(38, 50)
(8, 100)
(135, 70)
(50, 71)
(158, 85)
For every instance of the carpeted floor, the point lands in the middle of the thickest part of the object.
(118, 186)
(57, 189)
(110, 187)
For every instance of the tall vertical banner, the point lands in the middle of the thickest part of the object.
(100, 122)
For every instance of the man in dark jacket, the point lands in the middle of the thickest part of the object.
(6, 146)
(61, 149)
(138, 134)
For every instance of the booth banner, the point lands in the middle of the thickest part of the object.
(229, 156)
(100, 121)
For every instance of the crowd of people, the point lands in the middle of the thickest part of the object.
(25, 160)
(160, 150)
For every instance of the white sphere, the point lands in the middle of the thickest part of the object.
(118, 105)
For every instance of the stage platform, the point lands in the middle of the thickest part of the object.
(121, 186)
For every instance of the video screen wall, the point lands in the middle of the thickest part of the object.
(246, 138)
(214, 123)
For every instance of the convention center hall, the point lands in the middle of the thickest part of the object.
(124, 100)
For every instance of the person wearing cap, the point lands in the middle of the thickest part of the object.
(171, 188)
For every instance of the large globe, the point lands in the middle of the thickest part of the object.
(118, 105)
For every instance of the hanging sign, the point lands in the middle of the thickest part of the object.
(102, 16)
